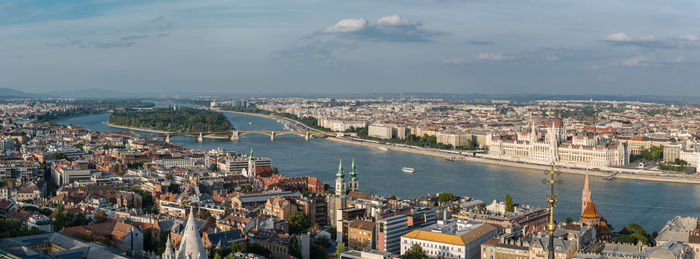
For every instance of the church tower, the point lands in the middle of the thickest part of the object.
(251, 165)
(354, 185)
(585, 194)
(340, 185)
(191, 246)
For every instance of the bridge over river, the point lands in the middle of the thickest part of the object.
(234, 135)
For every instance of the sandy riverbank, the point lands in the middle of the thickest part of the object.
(436, 153)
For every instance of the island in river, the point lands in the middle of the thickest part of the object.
(180, 119)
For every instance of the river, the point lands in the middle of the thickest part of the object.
(650, 204)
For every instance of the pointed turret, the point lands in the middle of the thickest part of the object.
(353, 172)
(340, 174)
(251, 165)
(191, 246)
(586, 193)
(169, 253)
(354, 184)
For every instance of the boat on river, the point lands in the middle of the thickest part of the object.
(408, 170)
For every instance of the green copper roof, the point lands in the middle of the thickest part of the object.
(251, 154)
(340, 173)
(353, 173)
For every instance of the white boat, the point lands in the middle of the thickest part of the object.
(382, 148)
(408, 170)
(250, 123)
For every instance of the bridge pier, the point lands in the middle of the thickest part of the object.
(272, 136)
(306, 136)
(235, 135)
(200, 138)
(167, 138)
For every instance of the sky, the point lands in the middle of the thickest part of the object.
(257, 47)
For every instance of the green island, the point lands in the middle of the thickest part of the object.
(185, 120)
(85, 107)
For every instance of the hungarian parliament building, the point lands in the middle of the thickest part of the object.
(580, 151)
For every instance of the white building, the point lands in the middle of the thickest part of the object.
(551, 149)
(450, 238)
(63, 176)
(380, 131)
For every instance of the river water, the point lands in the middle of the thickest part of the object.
(650, 204)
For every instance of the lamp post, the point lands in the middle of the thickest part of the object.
(552, 201)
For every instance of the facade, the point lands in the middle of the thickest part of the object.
(279, 207)
(63, 176)
(494, 249)
(361, 234)
(552, 149)
(450, 238)
(380, 131)
(391, 227)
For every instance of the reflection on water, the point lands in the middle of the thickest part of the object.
(650, 204)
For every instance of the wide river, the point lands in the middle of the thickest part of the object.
(650, 204)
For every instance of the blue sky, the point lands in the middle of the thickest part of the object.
(352, 46)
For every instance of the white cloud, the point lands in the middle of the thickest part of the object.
(623, 37)
(348, 25)
(678, 59)
(492, 56)
(637, 61)
(396, 20)
(687, 37)
(454, 61)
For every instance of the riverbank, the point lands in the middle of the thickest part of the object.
(627, 174)
(274, 117)
(137, 129)
(446, 155)
(211, 136)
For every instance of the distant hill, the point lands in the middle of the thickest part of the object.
(9, 92)
(89, 93)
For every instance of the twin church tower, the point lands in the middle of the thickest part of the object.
(342, 186)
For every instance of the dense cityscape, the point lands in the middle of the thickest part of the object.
(131, 192)
(349, 129)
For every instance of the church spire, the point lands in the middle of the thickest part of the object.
(354, 185)
(168, 254)
(353, 172)
(586, 193)
(340, 174)
(191, 246)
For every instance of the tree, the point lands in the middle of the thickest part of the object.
(217, 256)
(57, 156)
(415, 252)
(203, 215)
(298, 223)
(392, 197)
(101, 216)
(632, 234)
(569, 220)
(323, 241)
(339, 250)
(294, 247)
(446, 197)
(238, 247)
(509, 203)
